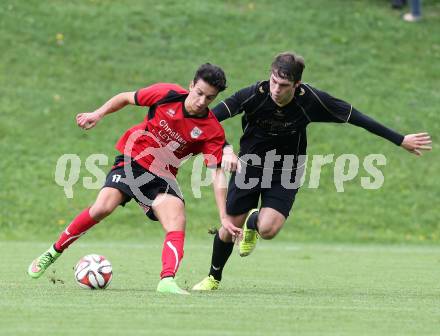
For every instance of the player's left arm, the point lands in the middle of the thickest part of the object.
(230, 161)
(219, 184)
(212, 150)
(413, 143)
(88, 120)
(331, 109)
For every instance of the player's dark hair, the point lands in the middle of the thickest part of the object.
(288, 65)
(211, 74)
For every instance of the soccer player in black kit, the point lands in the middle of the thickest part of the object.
(275, 115)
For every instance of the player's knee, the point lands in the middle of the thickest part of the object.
(269, 225)
(224, 235)
(101, 210)
(176, 222)
(268, 233)
(180, 219)
(268, 230)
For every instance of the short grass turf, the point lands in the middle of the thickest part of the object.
(282, 289)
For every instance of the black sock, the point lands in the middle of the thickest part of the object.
(220, 255)
(251, 223)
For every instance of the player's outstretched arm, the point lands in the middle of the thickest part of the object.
(89, 120)
(416, 143)
(219, 184)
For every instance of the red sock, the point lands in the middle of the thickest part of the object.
(76, 229)
(172, 253)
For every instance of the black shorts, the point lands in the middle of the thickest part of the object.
(241, 198)
(124, 176)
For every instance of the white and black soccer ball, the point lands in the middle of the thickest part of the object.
(93, 272)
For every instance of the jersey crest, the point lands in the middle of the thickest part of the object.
(196, 132)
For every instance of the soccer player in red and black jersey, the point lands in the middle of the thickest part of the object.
(177, 126)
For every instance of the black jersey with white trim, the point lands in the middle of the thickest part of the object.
(267, 126)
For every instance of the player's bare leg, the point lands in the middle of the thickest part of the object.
(108, 199)
(270, 222)
(170, 211)
(238, 221)
(264, 223)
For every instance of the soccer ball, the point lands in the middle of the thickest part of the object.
(93, 272)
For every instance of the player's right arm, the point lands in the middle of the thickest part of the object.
(229, 108)
(88, 120)
(232, 106)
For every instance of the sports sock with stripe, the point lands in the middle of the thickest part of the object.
(220, 255)
(172, 253)
(80, 224)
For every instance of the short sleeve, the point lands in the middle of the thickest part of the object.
(151, 94)
(213, 149)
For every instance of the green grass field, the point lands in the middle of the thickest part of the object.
(282, 289)
(361, 262)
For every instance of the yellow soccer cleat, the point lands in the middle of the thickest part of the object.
(207, 284)
(250, 238)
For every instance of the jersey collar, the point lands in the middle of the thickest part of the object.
(187, 115)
